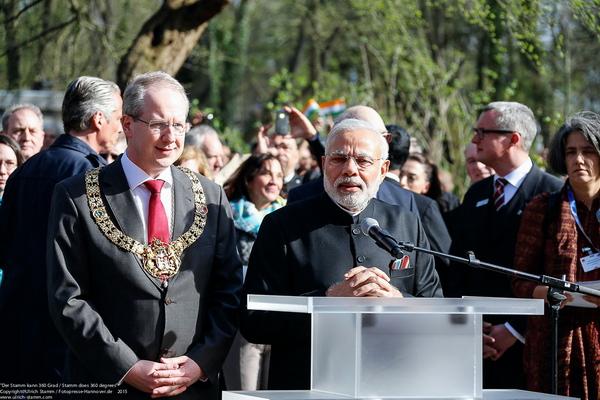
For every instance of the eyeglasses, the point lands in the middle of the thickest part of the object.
(362, 162)
(481, 132)
(158, 126)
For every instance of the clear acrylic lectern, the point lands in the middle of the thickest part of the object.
(384, 348)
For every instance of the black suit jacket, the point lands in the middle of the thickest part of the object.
(477, 227)
(304, 248)
(112, 313)
(27, 331)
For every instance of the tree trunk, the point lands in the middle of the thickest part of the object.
(13, 52)
(168, 37)
(235, 65)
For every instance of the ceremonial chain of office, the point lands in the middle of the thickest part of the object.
(161, 260)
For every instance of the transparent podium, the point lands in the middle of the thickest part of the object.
(382, 348)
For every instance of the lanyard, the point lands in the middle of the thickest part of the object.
(573, 208)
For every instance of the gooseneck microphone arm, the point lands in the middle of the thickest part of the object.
(370, 227)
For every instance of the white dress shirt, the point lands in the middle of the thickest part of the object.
(515, 178)
(141, 195)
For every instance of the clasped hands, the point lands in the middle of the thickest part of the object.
(364, 282)
(496, 340)
(169, 377)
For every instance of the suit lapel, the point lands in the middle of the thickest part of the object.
(183, 201)
(523, 193)
(483, 210)
(120, 201)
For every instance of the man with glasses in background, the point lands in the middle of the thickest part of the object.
(487, 223)
(316, 247)
(144, 276)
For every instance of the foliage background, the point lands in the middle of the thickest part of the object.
(426, 65)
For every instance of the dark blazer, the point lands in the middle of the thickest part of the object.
(23, 226)
(476, 226)
(112, 313)
(304, 248)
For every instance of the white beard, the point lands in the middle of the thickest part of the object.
(355, 201)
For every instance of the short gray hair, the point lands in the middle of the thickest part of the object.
(198, 134)
(133, 97)
(85, 96)
(350, 125)
(585, 122)
(517, 117)
(23, 106)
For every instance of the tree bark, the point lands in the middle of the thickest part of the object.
(168, 37)
(13, 59)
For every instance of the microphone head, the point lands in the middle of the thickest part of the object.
(367, 224)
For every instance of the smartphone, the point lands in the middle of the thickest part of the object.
(282, 122)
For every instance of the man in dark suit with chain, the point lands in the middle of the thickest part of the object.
(487, 223)
(143, 272)
(315, 247)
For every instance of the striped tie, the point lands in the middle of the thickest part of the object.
(499, 193)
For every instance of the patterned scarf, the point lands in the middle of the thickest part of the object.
(247, 218)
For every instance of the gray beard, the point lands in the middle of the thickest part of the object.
(353, 202)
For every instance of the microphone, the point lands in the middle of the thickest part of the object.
(370, 227)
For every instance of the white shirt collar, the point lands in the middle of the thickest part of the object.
(393, 176)
(137, 176)
(289, 178)
(516, 176)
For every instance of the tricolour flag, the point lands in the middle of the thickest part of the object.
(332, 107)
(311, 109)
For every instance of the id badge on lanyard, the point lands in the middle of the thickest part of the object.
(591, 261)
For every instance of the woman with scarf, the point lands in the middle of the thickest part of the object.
(254, 190)
(558, 234)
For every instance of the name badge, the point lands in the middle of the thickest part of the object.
(591, 262)
(482, 202)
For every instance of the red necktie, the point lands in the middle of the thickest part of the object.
(158, 226)
(499, 193)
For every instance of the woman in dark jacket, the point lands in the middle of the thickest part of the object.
(558, 232)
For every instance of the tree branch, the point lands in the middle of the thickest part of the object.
(21, 11)
(40, 35)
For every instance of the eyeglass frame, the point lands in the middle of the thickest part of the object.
(186, 126)
(348, 156)
(481, 132)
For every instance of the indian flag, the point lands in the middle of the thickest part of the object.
(311, 109)
(332, 107)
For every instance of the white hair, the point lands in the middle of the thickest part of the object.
(198, 134)
(351, 125)
(517, 117)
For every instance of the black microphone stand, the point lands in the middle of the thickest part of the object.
(555, 292)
